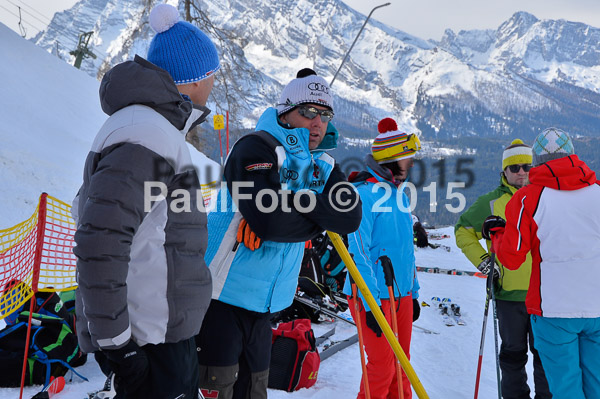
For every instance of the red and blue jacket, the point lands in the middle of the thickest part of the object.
(557, 217)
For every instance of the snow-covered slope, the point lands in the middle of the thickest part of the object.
(524, 76)
(50, 113)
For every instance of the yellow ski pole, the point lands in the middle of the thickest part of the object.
(385, 327)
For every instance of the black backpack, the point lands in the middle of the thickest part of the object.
(333, 268)
(53, 346)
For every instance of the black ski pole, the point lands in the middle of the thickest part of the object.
(488, 293)
(496, 343)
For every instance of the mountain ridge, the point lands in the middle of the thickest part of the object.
(517, 79)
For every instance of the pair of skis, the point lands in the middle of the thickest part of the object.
(450, 311)
(453, 272)
(330, 311)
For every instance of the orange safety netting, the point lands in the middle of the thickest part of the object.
(36, 255)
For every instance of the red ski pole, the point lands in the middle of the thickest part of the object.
(488, 294)
(360, 339)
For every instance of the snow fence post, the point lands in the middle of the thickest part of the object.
(37, 261)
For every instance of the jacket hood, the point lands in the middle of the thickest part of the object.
(141, 82)
(330, 139)
(375, 170)
(567, 173)
(273, 124)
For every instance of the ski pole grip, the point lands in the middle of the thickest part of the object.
(388, 270)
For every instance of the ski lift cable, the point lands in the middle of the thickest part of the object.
(67, 40)
(27, 12)
(22, 19)
(36, 11)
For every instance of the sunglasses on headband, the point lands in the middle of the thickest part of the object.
(516, 168)
(311, 112)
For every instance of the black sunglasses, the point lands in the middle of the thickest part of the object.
(515, 168)
(311, 112)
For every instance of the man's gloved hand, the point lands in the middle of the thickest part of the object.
(416, 309)
(130, 365)
(246, 236)
(491, 225)
(372, 324)
(485, 266)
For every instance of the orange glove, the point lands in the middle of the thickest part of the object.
(246, 236)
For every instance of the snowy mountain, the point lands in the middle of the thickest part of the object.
(524, 76)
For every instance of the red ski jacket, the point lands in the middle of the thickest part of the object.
(557, 217)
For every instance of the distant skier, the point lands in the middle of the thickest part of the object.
(386, 229)
(420, 234)
(143, 285)
(511, 286)
(254, 252)
(557, 218)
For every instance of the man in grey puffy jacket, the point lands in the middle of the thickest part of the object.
(143, 285)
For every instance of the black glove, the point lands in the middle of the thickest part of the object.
(372, 324)
(416, 309)
(130, 365)
(491, 225)
(485, 266)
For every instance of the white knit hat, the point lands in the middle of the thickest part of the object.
(306, 88)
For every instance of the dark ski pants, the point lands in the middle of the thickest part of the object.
(234, 352)
(381, 365)
(515, 331)
(173, 372)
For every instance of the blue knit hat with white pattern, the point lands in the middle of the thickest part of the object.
(551, 144)
(181, 48)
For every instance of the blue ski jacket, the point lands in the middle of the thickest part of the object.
(386, 229)
(265, 280)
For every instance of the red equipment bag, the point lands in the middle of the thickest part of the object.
(295, 359)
